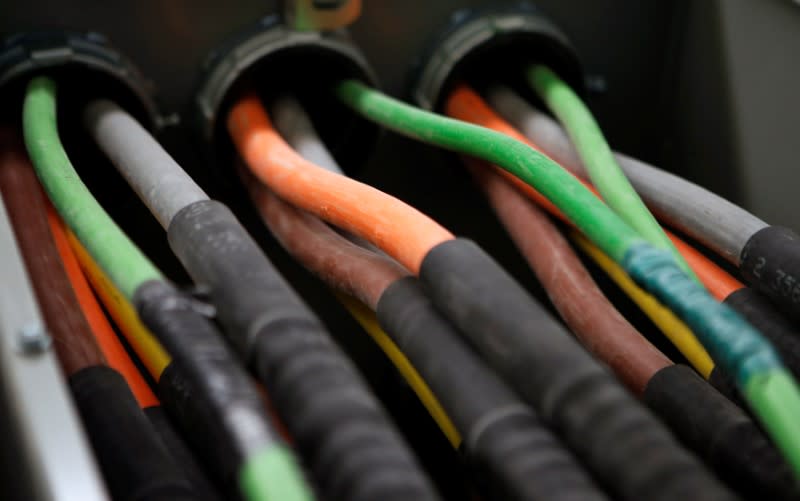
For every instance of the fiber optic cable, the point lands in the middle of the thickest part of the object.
(313, 386)
(465, 104)
(129, 452)
(260, 462)
(593, 148)
(703, 418)
(738, 348)
(768, 256)
(509, 449)
(118, 359)
(487, 306)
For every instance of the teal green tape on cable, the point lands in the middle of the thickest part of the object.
(596, 154)
(732, 342)
(225, 406)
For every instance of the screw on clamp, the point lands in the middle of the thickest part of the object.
(33, 339)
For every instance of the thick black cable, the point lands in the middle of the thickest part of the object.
(501, 434)
(624, 445)
(135, 464)
(352, 449)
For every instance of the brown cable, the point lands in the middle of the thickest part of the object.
(579, 301)
(338, 262)
(24, 200)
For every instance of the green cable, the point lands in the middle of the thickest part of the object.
(266, 475)
(596, 154)
(125, 265)
(735, 346)
(582, 207)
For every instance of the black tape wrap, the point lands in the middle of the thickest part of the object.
(352, 448)
(517, 456)
(219, 402)
(181, 454)
(724, 384)
(770, 262)
(625, 446)
(721, 433)
(762, 315)
(135, 464)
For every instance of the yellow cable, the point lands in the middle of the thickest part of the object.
(369, 323)
(676, 331)
(143, 342)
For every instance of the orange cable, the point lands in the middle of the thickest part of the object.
(394, 226)
(106, 338)
(465, 104)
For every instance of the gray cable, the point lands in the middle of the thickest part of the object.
(294, 124)
(158, 180)
(701, 214)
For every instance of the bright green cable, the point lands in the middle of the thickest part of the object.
(588, 213)
(271, 474)
(122, 261)
(742, 349)
(596, 154)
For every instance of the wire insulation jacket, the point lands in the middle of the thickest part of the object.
(181, 453)
(780, 331)
(586, 311)
(701, 214)
(397, 228)
(465, 104)
(771, 262)
(127, 267)
(593, 148)
(160, 182)
(673, 328)
(503, 437)
(25, 204)
(231, 401)
(135, 463)
(604, 425)
(369, 322)
(724, 436)
(149, 350)
(353, 270)
(352, 449)
(103, 332)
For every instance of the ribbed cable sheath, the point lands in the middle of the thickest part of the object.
(214, 247)
(515, 456)
(351, 447)
(705, 216)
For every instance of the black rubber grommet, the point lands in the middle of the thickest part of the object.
(493, 46)
(275, 60)
(85, 65)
